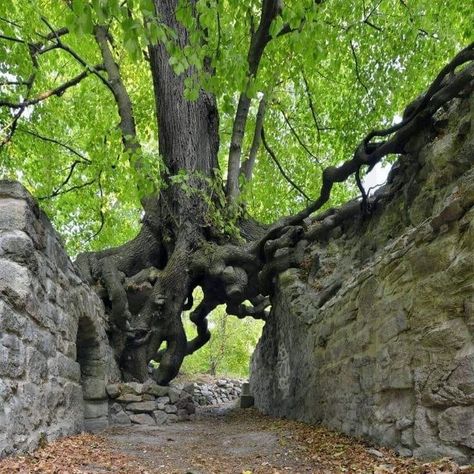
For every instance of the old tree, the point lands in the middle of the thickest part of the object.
(212, 117)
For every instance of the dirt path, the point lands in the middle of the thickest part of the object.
(219, 440)
(216, 441)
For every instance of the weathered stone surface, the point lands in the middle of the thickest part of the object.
(14, 283)
(95, 409)
(113, 390)
(456, 426)
(129, 397)
(115, 408)
(171, 409)
(96, 424)
(120, 418)
(142, 419)
(141, 407)
(47, 316)
(160, 417)
(131, 387)
(156, 390)
(174, 394)
(390, 356)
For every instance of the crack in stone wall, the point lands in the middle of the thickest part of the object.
(390, 356)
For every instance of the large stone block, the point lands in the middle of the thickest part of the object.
(11, 320)
(16, 214)
(141, 407)
(12, 356)
(95, 408)
(95, 425)
(156, 390)
(68, 368)
(14, 283)
(113, 390)
(174, 394)
(171, 409)
(18, 247)
(456, 426)
(120, 418)
(160, 417)
(142, 419)
(132, 387)
(93, 388)
(36, 365)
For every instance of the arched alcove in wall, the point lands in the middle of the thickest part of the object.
(90, 356)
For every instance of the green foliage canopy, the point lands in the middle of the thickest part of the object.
(344, 68)
(228, 352)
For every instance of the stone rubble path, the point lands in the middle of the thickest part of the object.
(219, 440)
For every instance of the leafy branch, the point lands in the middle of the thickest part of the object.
(445, 87)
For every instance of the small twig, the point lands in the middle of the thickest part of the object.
(56, 142)
(58, 91)
(12, 126)
(282, 171)
(356, 61)
(375, 27)
(72, 188)
(12, 38)
(68, 177)
(219, 31)
(10, 22)
(311, 106)
(299, 140)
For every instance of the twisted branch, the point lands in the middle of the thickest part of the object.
(441, 91)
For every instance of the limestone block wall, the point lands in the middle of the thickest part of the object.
(149, 403)
(374, 334)
(215, 393)
(54, 357)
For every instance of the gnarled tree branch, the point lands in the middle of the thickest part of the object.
(441, 91)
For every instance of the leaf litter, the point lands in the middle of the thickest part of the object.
(232, 441)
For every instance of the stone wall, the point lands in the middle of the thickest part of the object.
(149, 403)
(52, 333)
(152, 404)
(374, 334)
(220, 391)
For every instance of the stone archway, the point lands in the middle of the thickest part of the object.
(92, 362)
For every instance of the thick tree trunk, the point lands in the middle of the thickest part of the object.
(145, 307)
(188, 142)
